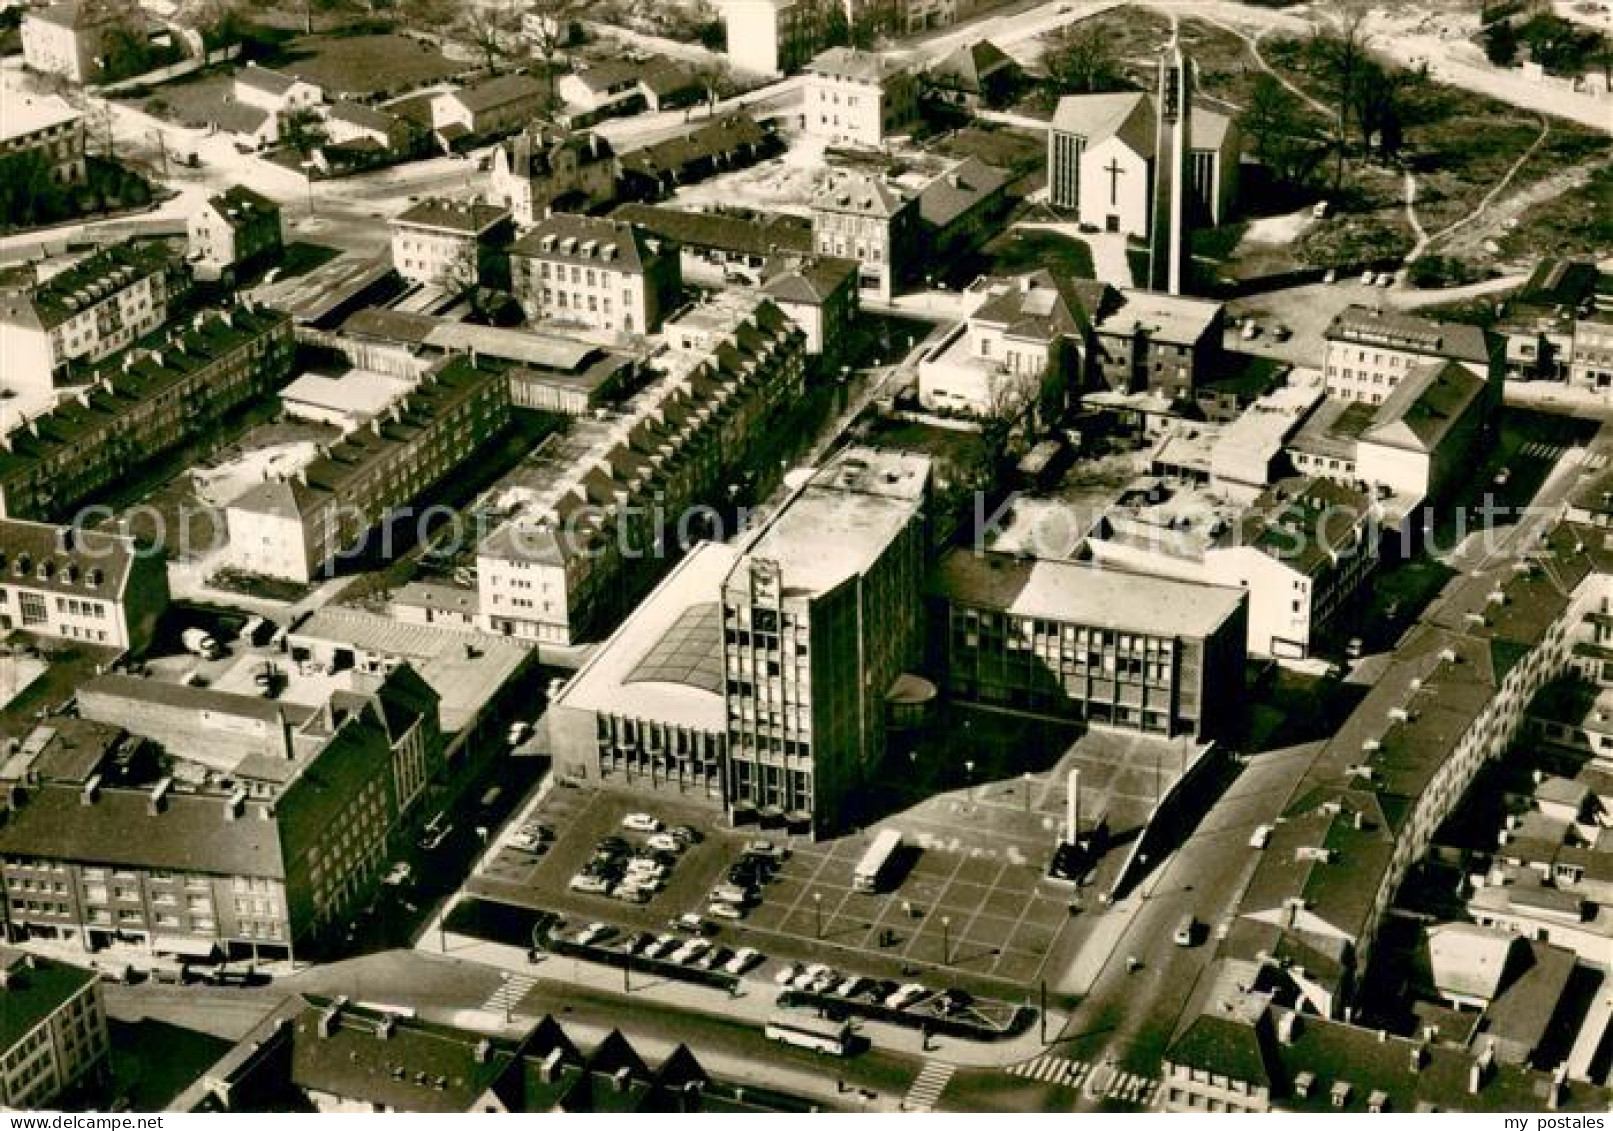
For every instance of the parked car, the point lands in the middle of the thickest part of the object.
(589, 884)
(612, 844)
(686, 834)
(1281, 333)
(519, 732)
(691, 923)
(1251, 329)
(787, 974)
(906, 996)
(712, 959)
(1187, 932)
(766, 848)
(399, 875)
(725, 911)
(1386, 279)
(1368, 278)
(730, 893)
(849, 987)
(954, 1001)
(663, 842)
(743, 959)
(594, 932)
(637, 941)
(663, 945)
(691, 950)
(630, 893)
(641, 823)
(1260, 836)
(1502, 477)
(1331, 276)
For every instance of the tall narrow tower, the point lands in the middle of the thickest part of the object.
(1173, 147)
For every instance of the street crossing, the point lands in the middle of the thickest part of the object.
(931, 1082)
(509, 994)
(1049, 1068)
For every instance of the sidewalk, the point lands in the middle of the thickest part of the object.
(755, 1001)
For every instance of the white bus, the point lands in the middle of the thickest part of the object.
(871, 869)
(809, 1031)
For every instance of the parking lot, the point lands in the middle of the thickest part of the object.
(990, 918)
(962, 916)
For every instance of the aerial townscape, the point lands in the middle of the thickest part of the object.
(783, 556)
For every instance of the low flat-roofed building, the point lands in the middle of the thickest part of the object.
(348, 402)
(468, 671)
(54, 1042)
(1078, 640)
(434, 603)
(1249, 449)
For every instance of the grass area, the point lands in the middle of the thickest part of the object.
(1577, 222)
(1288, 707)
(365, 64)
(194, 100)
(1003, 146)
(1018, 250)
(30, 199)
(954, 450)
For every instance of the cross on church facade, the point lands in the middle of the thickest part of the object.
(1114, 170)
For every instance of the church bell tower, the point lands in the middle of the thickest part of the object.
(1168, 228)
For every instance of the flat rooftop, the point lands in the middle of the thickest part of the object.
(1085, 594)
(360, 394)
(658, 663)
(1167, 318)
(838, 525)
(466, 669)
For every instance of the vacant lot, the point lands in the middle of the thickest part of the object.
(365, 64)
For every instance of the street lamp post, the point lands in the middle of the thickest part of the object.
(946, 940)
(817, 911)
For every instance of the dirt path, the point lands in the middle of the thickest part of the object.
(1426, 242)
(1466, 236)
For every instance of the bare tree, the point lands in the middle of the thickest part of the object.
(549, 25)
(492, 29)
(1082, 61)
(1342, 55)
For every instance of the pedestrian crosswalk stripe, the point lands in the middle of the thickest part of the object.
(1049, 1068)
(510, 993)
(929, 1085)
(1595, 462)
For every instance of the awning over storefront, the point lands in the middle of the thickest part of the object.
(184, 947)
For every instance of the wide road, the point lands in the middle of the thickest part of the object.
(450, 991)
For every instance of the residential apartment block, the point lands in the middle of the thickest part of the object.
(1370, 351)
(48, 126)
(297, 528)
(172, 389)
(579, 546)
(1077, 640)
(859, 216)
(53, 1032)
(601, 274)
(770, 37)
(820, 295)
(236, 229)
(266, 824)
(67, 583)
(54, 328)
(449, 244)
(854, 97)
(539, 169)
